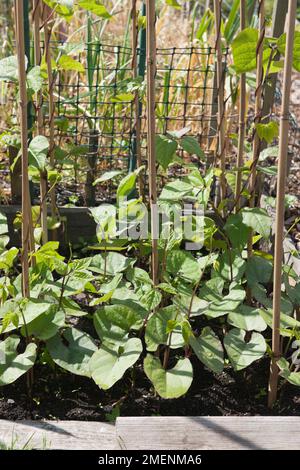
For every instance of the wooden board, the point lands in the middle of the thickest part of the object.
(211, 433)
(77, 225)
(51, 435)
(156, 433)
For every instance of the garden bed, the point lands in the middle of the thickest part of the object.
(66, 397)
(103, 321)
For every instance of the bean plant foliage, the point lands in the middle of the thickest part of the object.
(196, 312)
(199, 310)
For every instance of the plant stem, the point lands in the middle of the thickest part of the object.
(166, 357)
(105, 258)
(168, 348)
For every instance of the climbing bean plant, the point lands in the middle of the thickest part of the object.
(197, 311)
(211, 304)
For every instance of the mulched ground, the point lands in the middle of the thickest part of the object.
(63, 396)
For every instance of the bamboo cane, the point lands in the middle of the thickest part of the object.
(26, 205)
(242, 117)
(279, 223)
(258, 109)
(221, 107)
(47, 32)
(39, 115)
(137, 130)
(151, 72)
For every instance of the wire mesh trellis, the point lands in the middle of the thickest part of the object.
(95, 116)
(94, 110)
(184, 87)
(99, 115)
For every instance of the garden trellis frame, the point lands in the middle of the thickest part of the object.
(122, 149)
(117, 146)
(177, 85)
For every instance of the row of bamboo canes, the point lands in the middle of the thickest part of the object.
(283, 147)
(40, 19)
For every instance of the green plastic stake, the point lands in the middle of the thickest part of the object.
(30, 117)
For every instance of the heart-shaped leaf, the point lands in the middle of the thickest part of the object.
(260, 294)
(231, 266)
(258, 219)
(281, 44)
(247, 318)
(208, 349)
(72, 351)
(94, 7)
(114, 322)
(157, 329)
(218, 304)
(291, 377)
(237, 231)
(9, 68)
(184, 265)
(242, 353)
(31, 310)
(112, 263)
(12, 364)
(258, 270)
(68, 63)
(110, 362)
(244, 50)
(191, 305)
(268, 131)
(45, 326)
(165, 150)
(192, 146)
(175, 191)
(151, 299)
(171, 383)
(38, 150)
(286, 322)
(7, 258)
(127, 185)
(35, 79)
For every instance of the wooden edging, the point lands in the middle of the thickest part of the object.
(158, 433)
(58, 435)
(77, 224)
(209, 433)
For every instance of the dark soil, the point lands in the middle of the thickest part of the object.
(63, 396)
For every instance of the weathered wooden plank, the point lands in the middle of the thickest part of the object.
(77, 223)
(211, 433)
(50, 435)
